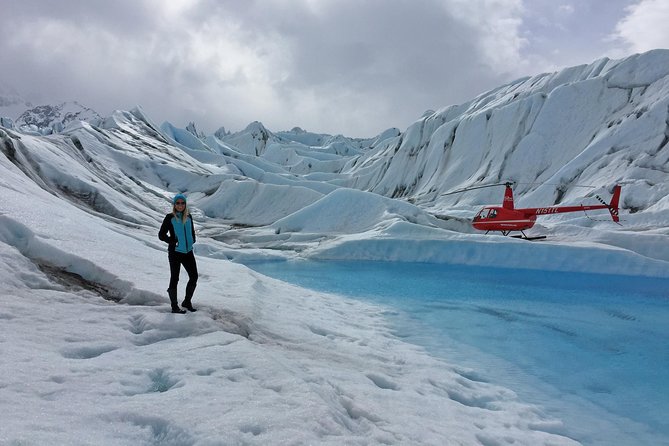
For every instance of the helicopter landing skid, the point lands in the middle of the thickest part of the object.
(524, 237)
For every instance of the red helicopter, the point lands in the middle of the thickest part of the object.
(507, 218)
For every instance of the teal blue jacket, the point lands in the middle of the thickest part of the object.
(179, 235)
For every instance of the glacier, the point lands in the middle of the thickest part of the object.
(269, 363)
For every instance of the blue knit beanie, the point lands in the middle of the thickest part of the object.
(177, 197)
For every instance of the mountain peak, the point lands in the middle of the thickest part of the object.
(57, 116)
(256, 126)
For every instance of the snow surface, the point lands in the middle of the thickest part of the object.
(97, 358)
(91, 354)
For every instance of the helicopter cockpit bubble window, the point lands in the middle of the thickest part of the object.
(486, 213)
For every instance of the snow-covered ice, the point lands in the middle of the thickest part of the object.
(263, 362)
(91, 355)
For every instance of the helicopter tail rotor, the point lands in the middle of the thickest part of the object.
(613, 205)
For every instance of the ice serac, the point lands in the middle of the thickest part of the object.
(596, 124)
(349, 211)
(252, 140)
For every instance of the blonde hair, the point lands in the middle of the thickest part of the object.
(184, 217)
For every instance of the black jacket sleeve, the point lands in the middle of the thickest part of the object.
(166, 232)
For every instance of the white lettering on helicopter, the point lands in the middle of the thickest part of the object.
(542, 211)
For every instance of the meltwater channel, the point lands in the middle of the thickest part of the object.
(591, 350)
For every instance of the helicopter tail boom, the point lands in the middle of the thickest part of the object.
(612, 207)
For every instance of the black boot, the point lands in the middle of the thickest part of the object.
(190, 289)
(188, 306)
(173, 301)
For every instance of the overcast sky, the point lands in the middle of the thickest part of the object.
(354, 67)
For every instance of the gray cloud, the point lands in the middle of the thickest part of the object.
(336, 66)
(644, 26)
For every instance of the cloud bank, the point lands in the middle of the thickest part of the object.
(336, 66)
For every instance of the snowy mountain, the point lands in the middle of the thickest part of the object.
(56, 117)
(597, 125)
(264, 362)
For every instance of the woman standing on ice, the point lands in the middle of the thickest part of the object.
(178, 232)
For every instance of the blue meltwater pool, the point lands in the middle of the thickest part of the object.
(591, 350)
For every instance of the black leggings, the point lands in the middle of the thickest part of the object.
(188, 261)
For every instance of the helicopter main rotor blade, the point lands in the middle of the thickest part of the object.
(508, 183)
(512, 183)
